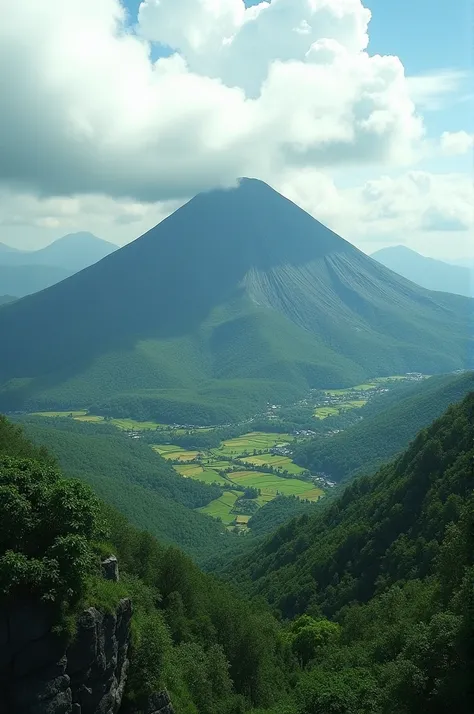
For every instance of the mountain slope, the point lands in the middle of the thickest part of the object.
(427, 272)
(389, 423)
(236, 285)
(72, 252)
(24, 280)
(134, 479)
(391, 562)
(413, 498)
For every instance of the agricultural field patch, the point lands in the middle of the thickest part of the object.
(283, 463)
(271, 485)
(216, 464)
(324, 412)
(222, 507)
(199, 473)
(260, 441)
(168, 451)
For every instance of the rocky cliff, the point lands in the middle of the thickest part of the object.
(42, 673)
(39, 674)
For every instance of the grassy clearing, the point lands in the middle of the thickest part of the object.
(259, 441)
(221, 507)
(270, 485)
(125, 424)
(168, 451)
(216, 464)
(201, 474)
(324, 412)
(283, 463)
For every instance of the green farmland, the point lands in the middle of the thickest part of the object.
(324, 412)
(271, 485)
(222, 507)
(258, 441)
(201, 473)
(175, 453)
(282, 463)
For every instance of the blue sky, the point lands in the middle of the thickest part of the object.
(428, 36)
(425, 34)
(389, 184)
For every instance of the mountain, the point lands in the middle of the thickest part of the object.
(7, 249)
(4, 299)
(236, 299)
(390, 562)
(24, 280)
(427, 272)
(72, 252)
(389, 423)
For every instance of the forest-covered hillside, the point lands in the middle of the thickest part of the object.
(373, 594)
(216, 652)
(282, 305)
(389, 422)
(133, 478)
(391, 562)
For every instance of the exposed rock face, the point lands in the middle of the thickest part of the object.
(40, 675)
(159, 704)
(110, 569)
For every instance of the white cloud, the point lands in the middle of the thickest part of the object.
(117, 220)
(252, 91)
(432, 91)
(456, 143)
(433, 212)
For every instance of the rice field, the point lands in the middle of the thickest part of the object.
(283, 463)
(222, 507)
(271, 485)
(260, 441)
(168, 451)
(199, 473)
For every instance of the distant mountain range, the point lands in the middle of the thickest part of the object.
(427, 272)
(236, 299)
(26, 272)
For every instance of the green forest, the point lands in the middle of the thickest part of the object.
(389, 422)
(364, 606)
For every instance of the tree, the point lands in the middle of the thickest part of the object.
(47, 528)
(311, 638)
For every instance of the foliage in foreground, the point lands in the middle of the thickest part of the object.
(390, 561)
(376, 592)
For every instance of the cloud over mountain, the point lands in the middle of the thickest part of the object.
(243, 91)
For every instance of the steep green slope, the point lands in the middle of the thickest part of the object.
(238, 284)
(389, 423)
(215, 652)
(137, 481)
(391, 563)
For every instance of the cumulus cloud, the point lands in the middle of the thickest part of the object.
(243, 91)
(456, 143)
(412, 206)
(118, 220)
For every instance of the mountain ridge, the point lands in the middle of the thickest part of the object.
(427, 272)
(238, 283)
(72, 252)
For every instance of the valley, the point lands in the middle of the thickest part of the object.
(251, 467)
